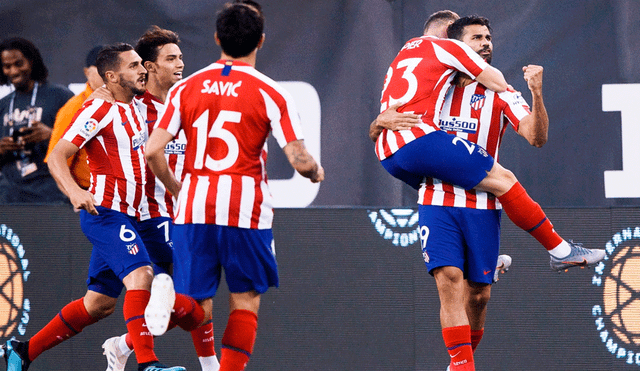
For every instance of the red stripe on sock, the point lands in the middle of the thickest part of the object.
(458, 342)
(526, 214)
(70, 321)
(203, 340)
(135, 301)
(476, 337)
(238, 340)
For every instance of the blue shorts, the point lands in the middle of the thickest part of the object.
(201, 250)
(117, 249)
(156, 234)
(440, 155)
(461, 237)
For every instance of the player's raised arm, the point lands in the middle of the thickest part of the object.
(154, 154)
(59, 168)
(303, 162)
(535, 127)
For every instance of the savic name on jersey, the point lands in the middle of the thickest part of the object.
(227, 111)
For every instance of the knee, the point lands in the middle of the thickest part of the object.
(100, 309)
(479, 299)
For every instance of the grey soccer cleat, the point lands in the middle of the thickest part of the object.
(578, 257)
(504, 263)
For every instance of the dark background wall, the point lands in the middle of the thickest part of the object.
(350, 299)
(343, 48)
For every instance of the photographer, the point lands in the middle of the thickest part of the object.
(27, 115)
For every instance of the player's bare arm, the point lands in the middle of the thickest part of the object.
(393, 120)
(493, 79)
(303, 162)
(154, 153)
(535, 127)
(59, 168)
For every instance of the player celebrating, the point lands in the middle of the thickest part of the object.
(418, 80)
(114, 135)
(162, 58)
(224, 210)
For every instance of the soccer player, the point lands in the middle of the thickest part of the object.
(224, 208)
(417, 82)
(162, 58)
(114, 136)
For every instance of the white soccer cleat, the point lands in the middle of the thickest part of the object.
(116, 360)
(158, 311)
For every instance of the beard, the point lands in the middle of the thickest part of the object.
(488, 57)
(131, 85)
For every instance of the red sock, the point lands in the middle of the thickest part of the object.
(238, 340)
(476, 336)
(203, 340)
(187, 313)
(69, 322)
(135, 301)
(458, 342)
(525, 213)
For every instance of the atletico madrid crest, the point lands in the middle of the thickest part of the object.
(133, 248)
(477, 101)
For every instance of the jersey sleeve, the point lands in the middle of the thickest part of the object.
(88, 122)
(283, 115)
(516, 108)
(171, 120)
(459, 56)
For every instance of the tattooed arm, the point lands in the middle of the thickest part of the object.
(302, 161)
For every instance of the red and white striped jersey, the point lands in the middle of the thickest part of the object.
(158, 199)
(479, 115)
(227, 111)
(113, 135)
(420, 76)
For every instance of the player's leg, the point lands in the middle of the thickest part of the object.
(477, 298)
(70, 321)
(444, 254)
(527, 214)
(248, 258)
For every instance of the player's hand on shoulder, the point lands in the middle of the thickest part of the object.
(533, 76)
(318, 176)
(102, 93)
(391, 119)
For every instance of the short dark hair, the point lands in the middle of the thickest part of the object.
(109, 57)
(250, 3)
(456, 29)
(440, 17)
(239, 28)
(147, 45)
(39, 71)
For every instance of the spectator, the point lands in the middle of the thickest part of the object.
(77, 163)
(27, 115)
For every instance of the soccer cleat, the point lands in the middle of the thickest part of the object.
(157, 366)
(158, 312)
(16, 355)
(504, 263)
(578, 257)
(116, 360)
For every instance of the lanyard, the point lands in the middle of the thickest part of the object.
(34, 94)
